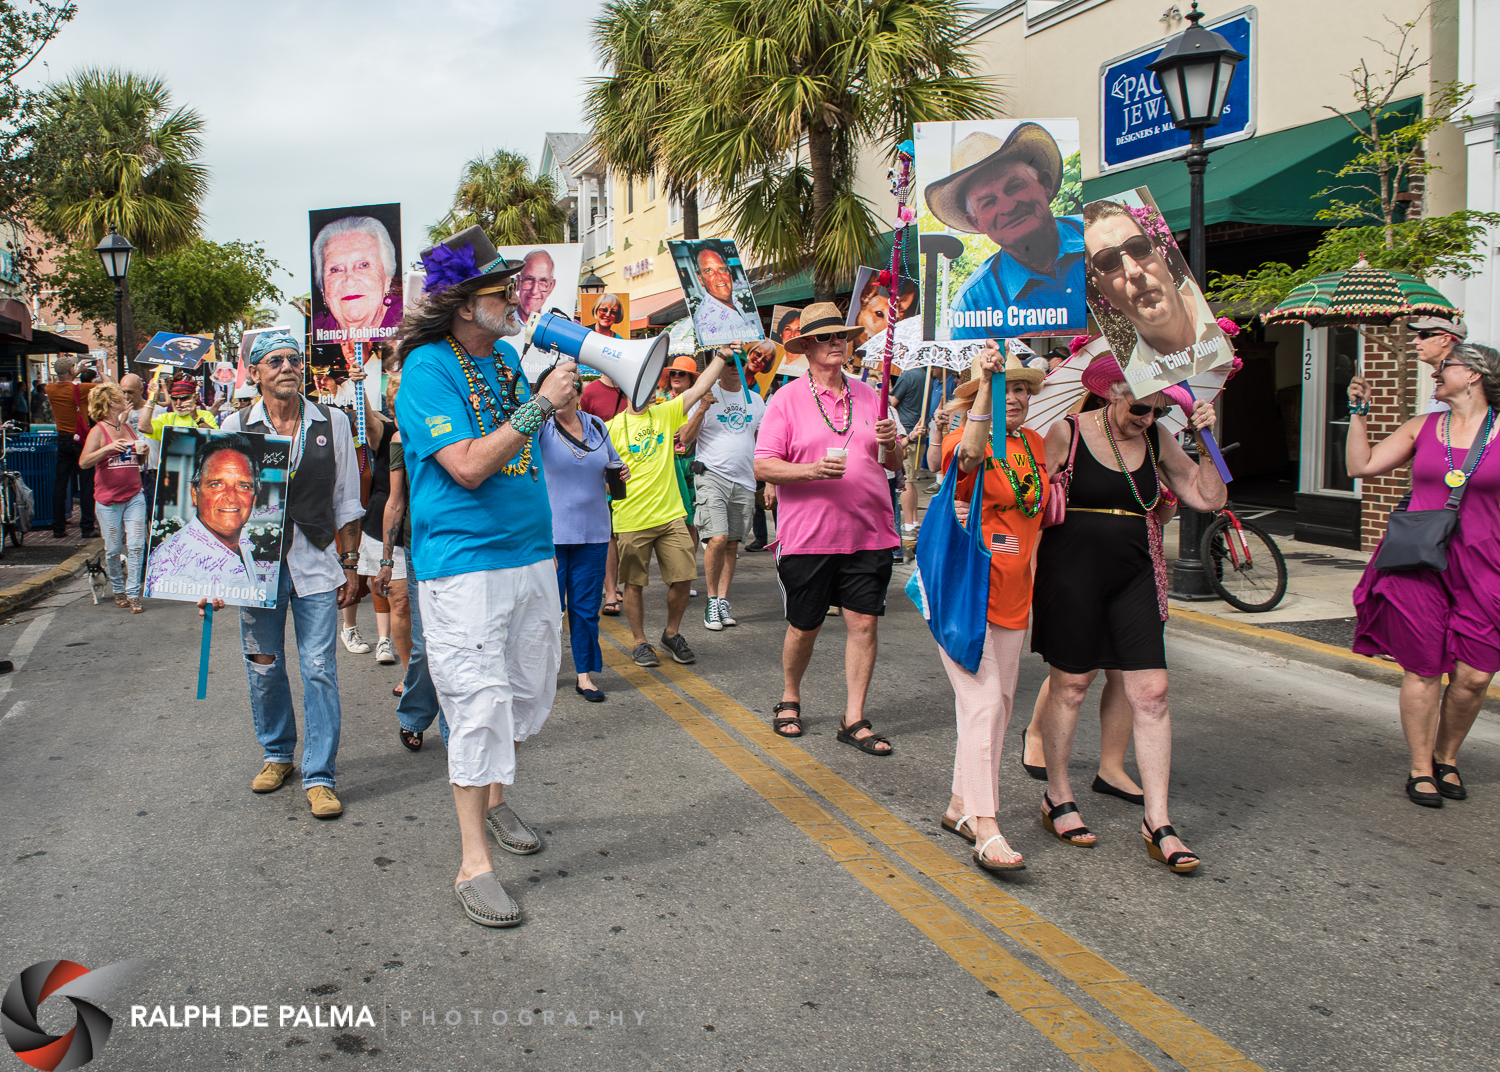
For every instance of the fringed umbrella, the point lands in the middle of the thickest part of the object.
(1360, 295)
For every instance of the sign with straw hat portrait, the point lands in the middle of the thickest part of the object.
(1009, 190)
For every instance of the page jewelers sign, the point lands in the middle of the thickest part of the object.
(1135, 125)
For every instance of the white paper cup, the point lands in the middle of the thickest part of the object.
(837, 452)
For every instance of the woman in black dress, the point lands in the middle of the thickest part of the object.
(1100, 600)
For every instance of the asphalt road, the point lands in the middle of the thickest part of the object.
(723, 900)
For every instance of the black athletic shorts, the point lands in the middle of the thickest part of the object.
(810, 584)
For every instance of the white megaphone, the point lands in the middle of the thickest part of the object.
(633, 364)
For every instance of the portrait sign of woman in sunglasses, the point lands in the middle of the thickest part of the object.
(1145, 299)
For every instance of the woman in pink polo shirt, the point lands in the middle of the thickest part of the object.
(820, 442)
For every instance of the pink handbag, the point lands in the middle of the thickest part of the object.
(1056, 511)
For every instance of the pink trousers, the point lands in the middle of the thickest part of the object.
(983, 702)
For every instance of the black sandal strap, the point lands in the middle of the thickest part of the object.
(1058, 811)
(1176, 856)
(850, 731)
(1161, 834)
(787, 705)
(1442, 770)
(1417, 780)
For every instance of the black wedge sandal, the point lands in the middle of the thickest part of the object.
(1080, 836)
(779, 725)
(1182, 862)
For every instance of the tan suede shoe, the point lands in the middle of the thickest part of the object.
(270, 777)
(323, 803)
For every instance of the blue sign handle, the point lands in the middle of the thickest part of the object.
(208, 632)
(744, 383)
(1206, 438)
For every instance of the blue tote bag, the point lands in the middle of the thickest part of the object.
(953, 573)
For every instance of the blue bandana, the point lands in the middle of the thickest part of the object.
(268, 342)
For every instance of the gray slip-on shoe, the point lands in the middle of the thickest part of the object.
(486, 902)
(512, 834)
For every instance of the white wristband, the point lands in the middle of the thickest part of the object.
(980, 416)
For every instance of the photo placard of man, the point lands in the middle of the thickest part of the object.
(320, 555)
(708, 279)
(212, 556)
(726, 486)
(820, 442)
(534, 283)
(1004, 189)
(481, 543)
(1145, 299)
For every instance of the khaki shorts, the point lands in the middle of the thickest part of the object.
(914, 453)
(675, 554)
(724, 507)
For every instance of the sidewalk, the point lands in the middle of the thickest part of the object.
(40, 563)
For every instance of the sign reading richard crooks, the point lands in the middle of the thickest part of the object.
(1135, 125)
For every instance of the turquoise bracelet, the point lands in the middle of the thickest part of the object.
(527, 419)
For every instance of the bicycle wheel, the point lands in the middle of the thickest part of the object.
(1253, 577)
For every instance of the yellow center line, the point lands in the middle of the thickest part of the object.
(1067, 1026)
(1177, 1035)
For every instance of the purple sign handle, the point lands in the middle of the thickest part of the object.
(1206, 438)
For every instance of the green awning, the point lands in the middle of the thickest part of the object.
(1269, 179)
(799, 287)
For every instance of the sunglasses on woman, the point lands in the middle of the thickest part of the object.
(1108, 259)
(1140, 409)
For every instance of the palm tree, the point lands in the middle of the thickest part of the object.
(772, 78)
(136, 168)
(501, 195)
(637, 41)
(131, 164)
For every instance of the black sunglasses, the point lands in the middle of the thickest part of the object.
(826, 336)
(1430, 334)
(1140, 409)
(1108, 259)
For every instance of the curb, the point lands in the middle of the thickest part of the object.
(19, 596)
(1295, 648)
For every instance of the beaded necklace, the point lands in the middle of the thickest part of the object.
(1109, 434)
(1015, 481)
(482, 397)
(848, 405)
(1456, 477)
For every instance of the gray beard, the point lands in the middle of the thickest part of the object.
(506, 325)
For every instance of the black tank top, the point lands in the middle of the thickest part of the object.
(1098, 487)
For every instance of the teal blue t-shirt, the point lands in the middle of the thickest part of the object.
(504, 523)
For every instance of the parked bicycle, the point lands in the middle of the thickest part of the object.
(14, 516)
(1243, 564)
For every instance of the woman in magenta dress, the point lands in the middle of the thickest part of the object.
(1438, 623)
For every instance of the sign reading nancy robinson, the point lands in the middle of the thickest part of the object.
(356, 275)
(220, 515)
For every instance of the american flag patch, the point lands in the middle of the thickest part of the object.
(1005, 543)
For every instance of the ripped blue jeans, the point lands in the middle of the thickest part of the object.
(263, 631)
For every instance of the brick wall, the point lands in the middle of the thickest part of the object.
(1392, 403)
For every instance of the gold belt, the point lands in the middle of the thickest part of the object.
(1096, 510)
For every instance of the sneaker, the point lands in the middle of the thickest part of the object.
(385, 651)
(323, 803)
(711, 620)
(645, 655)
(724, 615)
(356, 644)
(677, 647)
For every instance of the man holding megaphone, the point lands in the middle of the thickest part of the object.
(481, 543)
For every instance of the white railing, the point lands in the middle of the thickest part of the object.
(598, 238)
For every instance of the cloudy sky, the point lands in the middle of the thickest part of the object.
(322, 103)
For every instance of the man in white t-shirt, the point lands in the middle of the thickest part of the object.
(726, 487)
(141, 410)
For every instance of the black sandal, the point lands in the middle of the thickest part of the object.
(1071, 837)
(1451, 790)
(779, 724)
(865, 744)
(1426, 800)
(1181, 861)
(412, 740)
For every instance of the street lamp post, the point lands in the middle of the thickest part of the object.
(1195, 70)
(114, 252)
